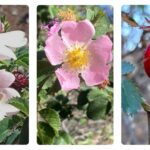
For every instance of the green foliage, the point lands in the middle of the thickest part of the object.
(11, 139)
(64, 138)
(10, 129)
(46, 133)
(5, 22)
(82, 99)
(100, 20)
(131, 98)
(43, 67)
(53, 10)
(52, 118)
(127, 68)
(99, 100)
(21, 104)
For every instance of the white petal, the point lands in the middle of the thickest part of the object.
(6, 79)
(13, 39)
(10, 92)
(7, 110)
(2, 113)
(6, 53)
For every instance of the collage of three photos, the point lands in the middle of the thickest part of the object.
(75, 74)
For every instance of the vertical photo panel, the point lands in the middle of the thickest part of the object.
(136, 74)
(75, 75)
(14, 79)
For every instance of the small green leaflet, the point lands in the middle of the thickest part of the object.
(131, 98)
(127, 68)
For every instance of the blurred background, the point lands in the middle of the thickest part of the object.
(17, 16)
(134, 42)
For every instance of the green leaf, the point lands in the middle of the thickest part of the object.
(131, 98)
(24, 136)
(4, 129)
(12, 138)
(22, 57)
(44, 68)
(46, 133)
(90, 14)
(97, 107)
(127, 68)
(53, 10)
(100, 21)
(96, 94)
(64, 138)
(52, 118)
(82, 99)
(6, 126)
(54, 104)
(21, 104)
(102, 26)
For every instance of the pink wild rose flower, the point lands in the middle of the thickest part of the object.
(78, 54)
(6, 93)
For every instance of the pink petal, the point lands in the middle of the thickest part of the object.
(54, 49)
(73, 32)
(6, 79)
(54, 29)
(98, 70)
(96, 73)
(102, 48)
(68, 80)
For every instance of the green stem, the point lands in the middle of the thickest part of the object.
(41, 84)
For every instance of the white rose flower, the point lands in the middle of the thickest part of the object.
(6, 93)
(9, 41)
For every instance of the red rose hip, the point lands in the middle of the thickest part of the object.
(21, 80)
(147, 61)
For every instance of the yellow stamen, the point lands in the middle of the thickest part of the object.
(77, 58)
(67, 15)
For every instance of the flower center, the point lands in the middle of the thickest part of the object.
(77, 58)
(67, 15)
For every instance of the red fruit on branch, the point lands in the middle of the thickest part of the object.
(21, 80)
(147, 61)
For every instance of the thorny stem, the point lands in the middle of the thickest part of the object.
(147, 109)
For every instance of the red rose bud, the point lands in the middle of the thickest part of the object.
(147, 60)
(21, 81)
